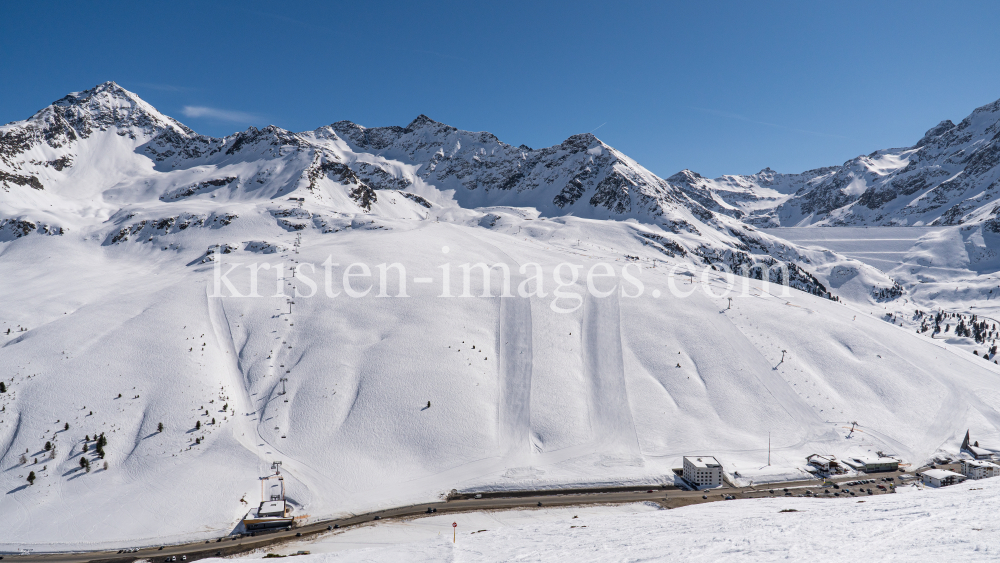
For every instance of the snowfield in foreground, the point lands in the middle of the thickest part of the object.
(955, 523)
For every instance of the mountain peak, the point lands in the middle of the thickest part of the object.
(421, 121)
(106, 93)
(77, 116)
(582, 141)
(685, 176)
(108, 104)
(936, 131)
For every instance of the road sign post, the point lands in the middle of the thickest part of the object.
(454, 531)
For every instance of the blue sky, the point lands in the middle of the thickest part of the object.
(720, 88)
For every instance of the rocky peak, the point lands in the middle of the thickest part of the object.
(936, 131)
(427, 126)
(107, 94)
(422, 121)
(686, 177)
(107, 105)
(582, 141)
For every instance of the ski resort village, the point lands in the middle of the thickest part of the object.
(308, 305)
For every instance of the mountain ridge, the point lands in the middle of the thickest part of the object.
(950, 176)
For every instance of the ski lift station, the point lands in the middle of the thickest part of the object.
(273, 511)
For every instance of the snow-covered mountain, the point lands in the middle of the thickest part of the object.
(106, 163)
(951, 176)
(114, 218)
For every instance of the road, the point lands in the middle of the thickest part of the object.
(667, 497)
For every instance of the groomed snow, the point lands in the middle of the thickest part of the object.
(916, 524)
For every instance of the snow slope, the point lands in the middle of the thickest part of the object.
(107, 287)
(913, 525)
(354, 434)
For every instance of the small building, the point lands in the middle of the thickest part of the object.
(979, 453)
(271, 509)
(974, 450)
(976, 469)
(940, 477)
(702, 470)
(825, 463)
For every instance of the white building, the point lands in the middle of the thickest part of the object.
(975, 469)
(702, 470)
(826, 463)
(940, 477)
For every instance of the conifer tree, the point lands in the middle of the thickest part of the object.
(31, 478)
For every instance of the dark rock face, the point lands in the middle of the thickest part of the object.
(6, 179)
(148, 230)
(417, 199)
(360, 192)
(11, 229)
(199, 188)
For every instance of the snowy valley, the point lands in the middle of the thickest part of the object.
(243, 292)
